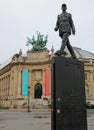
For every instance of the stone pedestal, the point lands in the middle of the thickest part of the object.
(68, 95)
(37, 56)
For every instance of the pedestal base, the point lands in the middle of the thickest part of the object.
(68, 95)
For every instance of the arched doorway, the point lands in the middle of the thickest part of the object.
(38, 91)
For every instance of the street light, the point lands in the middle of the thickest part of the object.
(28, 107)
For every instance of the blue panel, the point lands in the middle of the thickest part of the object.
(25, 83)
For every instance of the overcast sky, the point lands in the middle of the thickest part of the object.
(20, 19)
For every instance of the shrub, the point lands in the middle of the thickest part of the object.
(4, 108)
(89, 105)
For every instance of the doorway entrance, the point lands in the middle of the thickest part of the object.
(38, 91)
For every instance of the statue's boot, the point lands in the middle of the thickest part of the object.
(64, 53)
(58, 53)
(73, 54)
(74, 57)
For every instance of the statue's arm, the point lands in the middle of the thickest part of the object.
(72, 24)
(57, 24)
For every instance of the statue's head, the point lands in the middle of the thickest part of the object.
(64, 7)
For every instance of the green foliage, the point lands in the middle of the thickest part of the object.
(39, 43)
(89, 105)
(4, 108)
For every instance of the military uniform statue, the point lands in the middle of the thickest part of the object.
(65, 26)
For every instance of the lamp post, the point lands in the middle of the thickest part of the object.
(28, 108)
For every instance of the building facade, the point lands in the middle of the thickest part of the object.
(33, 70)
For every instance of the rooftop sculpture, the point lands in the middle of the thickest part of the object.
(38, 43)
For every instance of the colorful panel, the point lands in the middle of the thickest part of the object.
(47, 82)
(25, 83)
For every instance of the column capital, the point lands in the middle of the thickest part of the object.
(20, 69)
(30, 70)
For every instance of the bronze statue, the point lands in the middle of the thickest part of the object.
(65, 25)
(39, 43)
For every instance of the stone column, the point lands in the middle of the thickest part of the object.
(11, 89)
(43, 78)
(0, 88)
(3, 87)
(15, 82)
(91, 84)
(11, 85)
(8, 85)
(19, 82)
(29, 78)
(30, 83)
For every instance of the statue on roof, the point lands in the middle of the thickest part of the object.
(39, 43)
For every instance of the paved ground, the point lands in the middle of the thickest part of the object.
(35, 120)
(90, 117)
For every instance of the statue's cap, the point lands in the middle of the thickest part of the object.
(64, 5)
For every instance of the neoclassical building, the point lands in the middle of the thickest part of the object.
(33, 70)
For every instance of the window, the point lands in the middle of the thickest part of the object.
(85, 76)
(38, 75)
(87, 90)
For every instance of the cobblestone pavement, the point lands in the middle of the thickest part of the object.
(34, 120)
